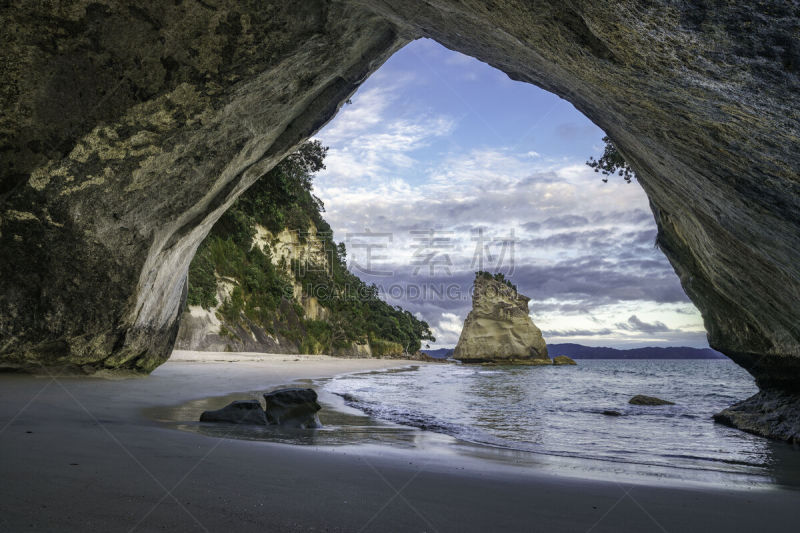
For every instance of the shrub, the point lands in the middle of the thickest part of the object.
(282, 199)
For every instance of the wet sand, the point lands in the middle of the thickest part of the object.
(79, 454)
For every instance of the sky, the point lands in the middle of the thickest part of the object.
(441, 165)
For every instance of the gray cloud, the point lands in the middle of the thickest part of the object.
(623, 244)
(580, 245)
(565, 221)
(577, 333)
(636, 216)
(597, 238)
(637, 325)
(597, 280)
(531, 226)
(583, 285)
(644, 237)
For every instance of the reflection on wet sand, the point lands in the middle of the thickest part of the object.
(342, 426)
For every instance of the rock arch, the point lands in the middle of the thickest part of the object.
(127, 131)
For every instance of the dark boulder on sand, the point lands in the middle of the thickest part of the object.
(285, 407)
(239, 412)
(293, 408)
(641, 399)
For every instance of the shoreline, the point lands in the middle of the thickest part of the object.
(80, 453)
(344, 425)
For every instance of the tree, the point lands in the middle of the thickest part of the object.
(611, 162)
(498, 276)
(283, 199)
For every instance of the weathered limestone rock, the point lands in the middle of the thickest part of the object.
(206, 330)
(498, 328)
(293, 408)
(563, 360)
(354, 350)
(239, 412)
(127, 130)
(641, 399)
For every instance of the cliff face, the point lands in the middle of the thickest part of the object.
(208, 329)
(127, 131)
(270, 278)
(499, 328)
(212, 329)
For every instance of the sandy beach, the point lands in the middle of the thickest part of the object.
(78, 454)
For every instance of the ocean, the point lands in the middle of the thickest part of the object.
(555, 414)
(549, 418)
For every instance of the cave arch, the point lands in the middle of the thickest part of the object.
(127, 132)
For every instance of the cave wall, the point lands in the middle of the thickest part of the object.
(702, 98)
(126, 131)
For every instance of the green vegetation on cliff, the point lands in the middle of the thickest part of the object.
(263, 291)
(611, 162)
(499, 276)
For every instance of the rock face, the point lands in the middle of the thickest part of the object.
(563, 360)
(293, 408)
(127, 131)
(204, 329)
(498, 328)
(641, 399)
(773, 414)
(239, 412)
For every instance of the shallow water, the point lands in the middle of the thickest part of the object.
(557, 411)
(547, 417)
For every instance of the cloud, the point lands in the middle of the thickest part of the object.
(448, 329)
(637, 325)
(597, 282)
(366, 140)
(633, 216)
(565, 221)
(583, 250)
(365, 113)
(479, 187)
(580, 287)
(577, 333)
(597, 238)
(576, 261)
(403, 135)
(531, 226)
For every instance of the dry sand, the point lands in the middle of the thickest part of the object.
(77, 454)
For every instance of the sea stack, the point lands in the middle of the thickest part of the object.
(498, 329)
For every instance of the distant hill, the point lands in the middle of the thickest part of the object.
(578, 351)
(441, 353)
